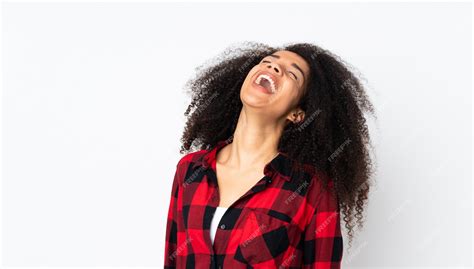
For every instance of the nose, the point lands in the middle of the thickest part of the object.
(274, 67)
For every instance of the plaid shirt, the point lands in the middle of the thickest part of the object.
(286, 220)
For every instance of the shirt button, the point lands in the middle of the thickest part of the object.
(222, 226)
(269, 181)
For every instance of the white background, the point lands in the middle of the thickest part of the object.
(92, 113)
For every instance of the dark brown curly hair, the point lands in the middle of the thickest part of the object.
(333, 137)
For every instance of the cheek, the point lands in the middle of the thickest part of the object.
(248, 78)
(250, 74)
(289, 94)
(286, 100)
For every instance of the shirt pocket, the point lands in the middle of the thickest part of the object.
(264, 238)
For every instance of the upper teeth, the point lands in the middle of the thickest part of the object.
(267, 77)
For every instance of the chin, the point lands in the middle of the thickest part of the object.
(254, 99)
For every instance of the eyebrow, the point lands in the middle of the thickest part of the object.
(292, 64)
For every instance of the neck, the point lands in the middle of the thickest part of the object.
(255, 141)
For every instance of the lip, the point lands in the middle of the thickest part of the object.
(275, 80)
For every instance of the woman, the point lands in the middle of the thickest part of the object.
(283, 150)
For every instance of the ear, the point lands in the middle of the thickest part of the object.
(296, 115)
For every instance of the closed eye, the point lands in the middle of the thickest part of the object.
(293, 74)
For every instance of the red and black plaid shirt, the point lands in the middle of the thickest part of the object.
(286, 220)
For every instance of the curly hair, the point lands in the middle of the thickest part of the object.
(333, 137)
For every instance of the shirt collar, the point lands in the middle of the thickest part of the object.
(280, 164)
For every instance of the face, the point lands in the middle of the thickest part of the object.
(276, 84)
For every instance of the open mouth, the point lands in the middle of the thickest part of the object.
(266, 82)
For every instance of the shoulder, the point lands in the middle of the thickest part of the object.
(184, 163)
(316, 188)
(190, 158)
(319, 184)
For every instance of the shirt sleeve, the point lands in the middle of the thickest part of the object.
(172, 226)
(323, 246)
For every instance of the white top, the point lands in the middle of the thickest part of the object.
(215, 220)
